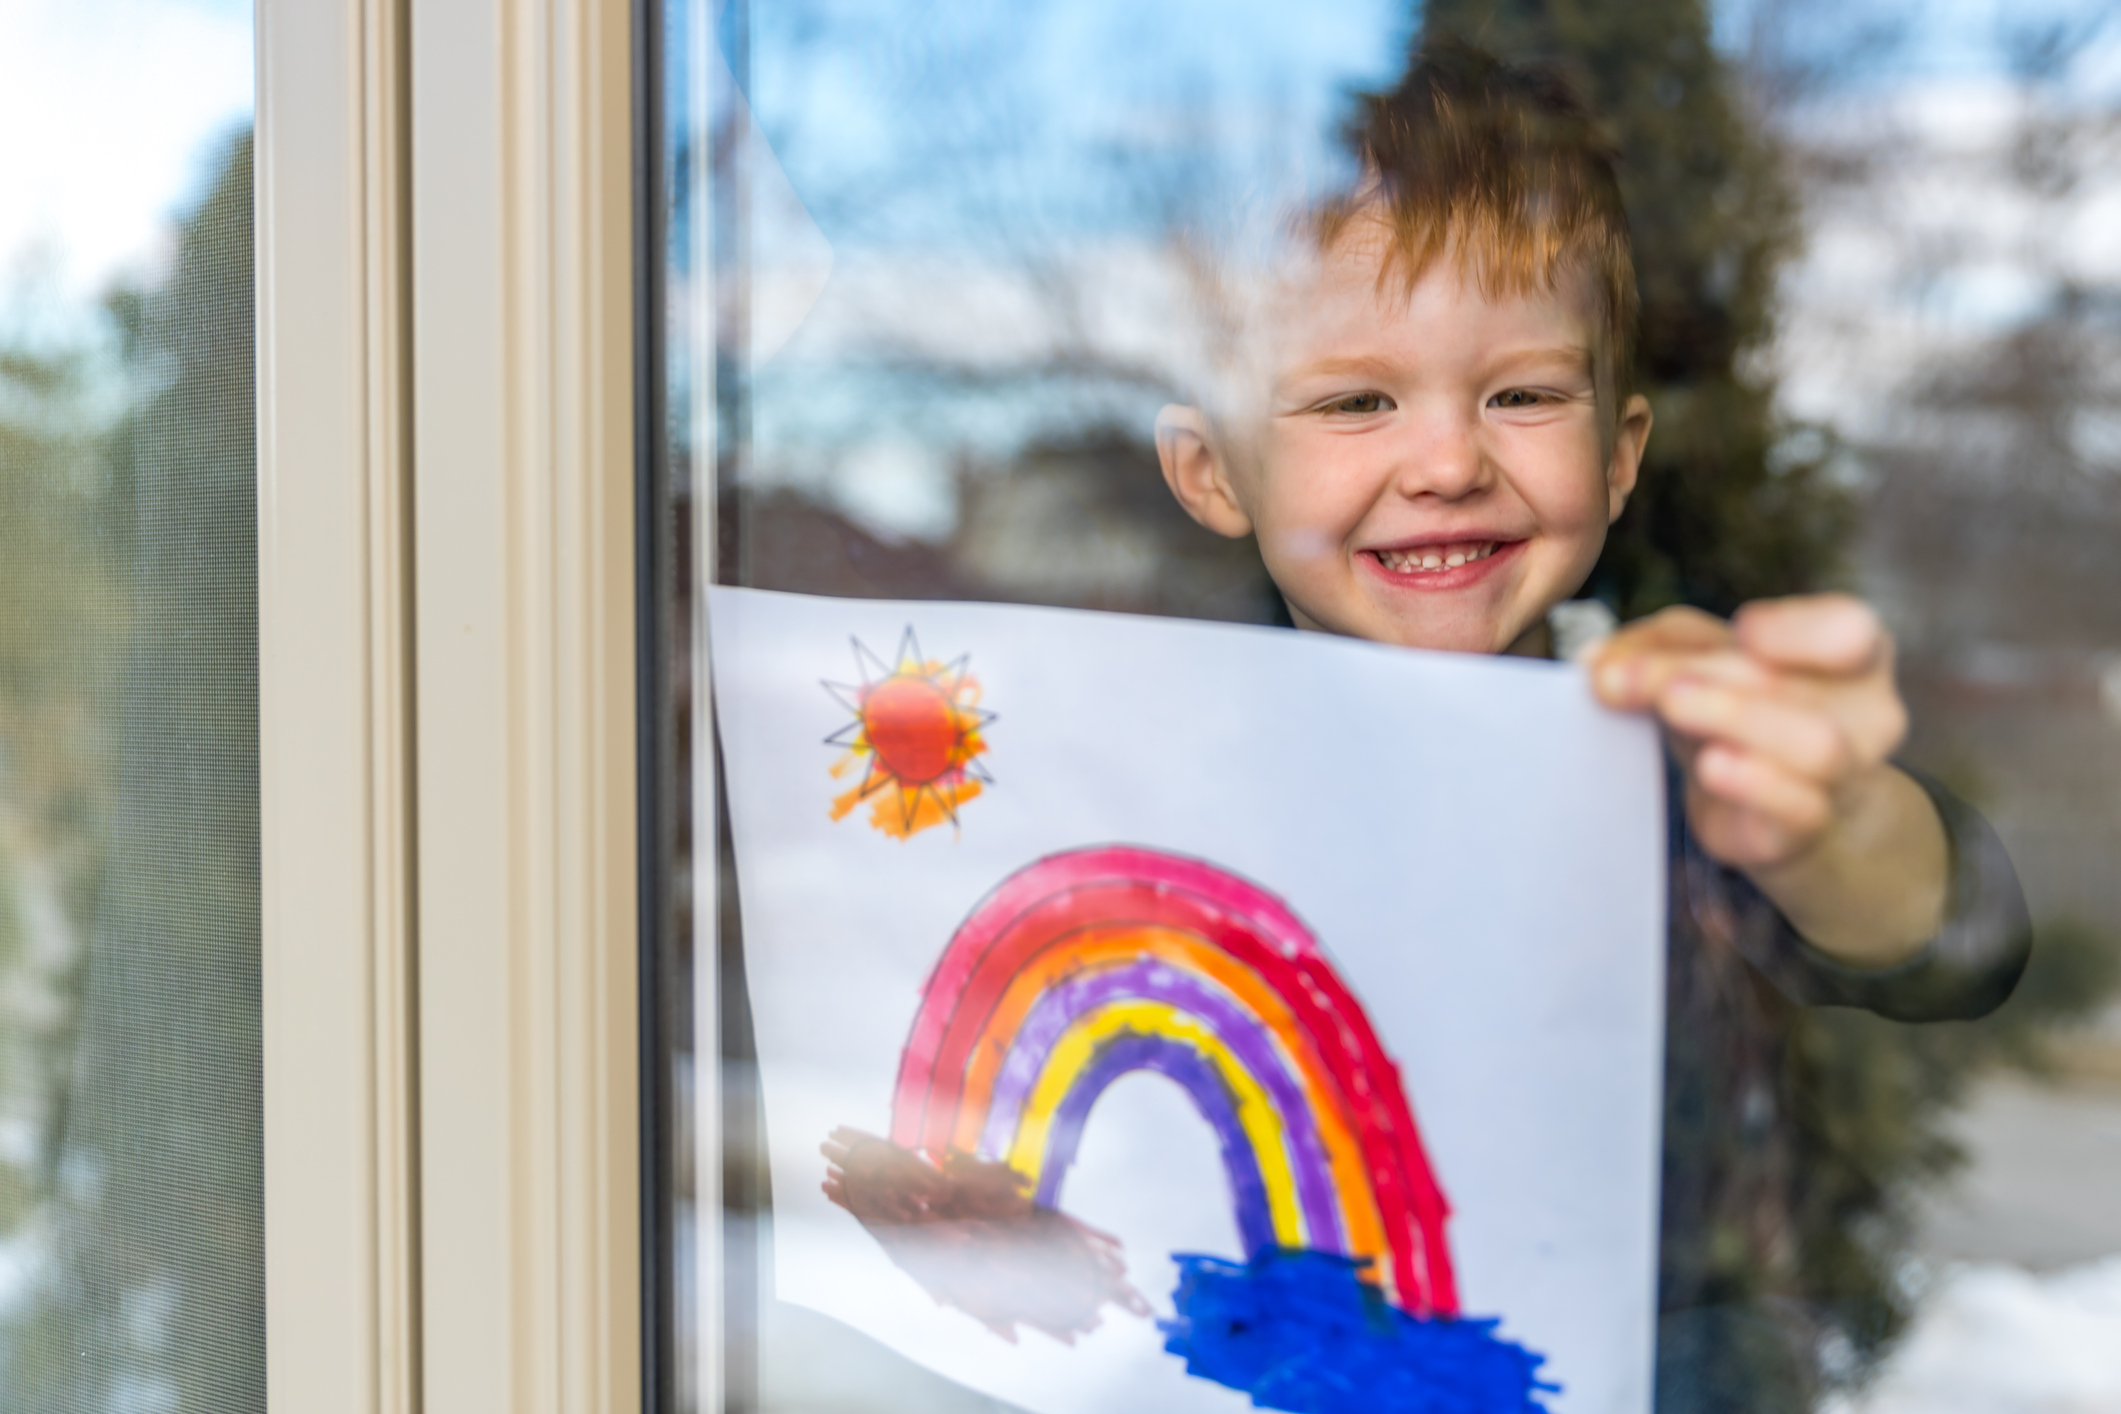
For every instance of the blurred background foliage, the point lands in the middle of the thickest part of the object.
(131, 1258)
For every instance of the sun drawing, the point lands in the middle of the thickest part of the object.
(916, 736)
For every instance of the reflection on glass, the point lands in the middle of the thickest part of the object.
(933, 270)
(131, 1259)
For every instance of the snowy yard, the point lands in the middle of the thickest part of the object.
(2023, 1310)
(1996, 1339)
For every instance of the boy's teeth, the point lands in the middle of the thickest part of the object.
(1413, 561)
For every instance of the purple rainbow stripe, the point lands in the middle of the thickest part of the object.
(1237, 1027)
(1127, 1054)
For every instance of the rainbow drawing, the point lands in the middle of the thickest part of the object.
(1089, 966)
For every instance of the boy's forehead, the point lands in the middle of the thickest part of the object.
(1352, 305)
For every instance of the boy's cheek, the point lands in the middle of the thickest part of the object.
(1297, 509)
(1297, 546)
(1305, 568)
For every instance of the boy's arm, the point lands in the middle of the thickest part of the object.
(1968, 970)
(1784, 721)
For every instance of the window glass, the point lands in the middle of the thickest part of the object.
(928, 274)
(131, 1260)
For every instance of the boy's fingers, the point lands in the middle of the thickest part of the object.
(1822, 633)
(1800, 807)
(1855, 723)
(1738, 836)
(1799, 737)
(1638, 679)
(1675, 628)
(1631, 667)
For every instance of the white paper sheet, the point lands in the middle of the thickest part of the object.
(1476, 846)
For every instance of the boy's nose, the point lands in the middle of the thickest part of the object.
(1442, 457)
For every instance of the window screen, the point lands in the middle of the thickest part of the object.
(131, 1256)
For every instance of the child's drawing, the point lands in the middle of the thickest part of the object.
(1333, 1089)
(916, 737)
(1095, 964)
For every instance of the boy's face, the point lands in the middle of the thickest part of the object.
(1431, 470)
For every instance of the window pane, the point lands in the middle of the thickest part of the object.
(131, 1260)
(931, 271)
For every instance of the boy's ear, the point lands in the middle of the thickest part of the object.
(1195, 473)
(1625, 463)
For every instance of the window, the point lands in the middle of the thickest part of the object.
(925, 275)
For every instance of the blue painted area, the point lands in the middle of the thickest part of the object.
(1302, 1331)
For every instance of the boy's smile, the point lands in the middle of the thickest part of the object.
(1434, 468)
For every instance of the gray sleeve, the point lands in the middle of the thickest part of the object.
(1966, 971)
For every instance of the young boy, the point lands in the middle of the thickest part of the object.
(1440, 444)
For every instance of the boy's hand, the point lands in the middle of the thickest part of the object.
(1776, 715)
(1783, 720)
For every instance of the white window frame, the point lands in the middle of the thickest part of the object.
(446, 656)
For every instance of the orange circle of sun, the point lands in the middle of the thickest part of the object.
(911, 727)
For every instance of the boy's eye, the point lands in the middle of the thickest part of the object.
(1518, 398)
(1360, 403)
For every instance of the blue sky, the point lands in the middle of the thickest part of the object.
(115, 110)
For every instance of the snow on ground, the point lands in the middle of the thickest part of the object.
(1995, 1339)
(2021, 1310)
